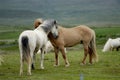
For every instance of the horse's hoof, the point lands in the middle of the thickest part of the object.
(42, 67)
(82, 64)
(56, 65)
(29, 74)
(33, 68)
(20, 74)
(90, 63)
(67, 65)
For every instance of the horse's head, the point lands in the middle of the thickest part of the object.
(54, 29)
(50, 26)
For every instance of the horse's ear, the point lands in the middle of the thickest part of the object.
(55, 22)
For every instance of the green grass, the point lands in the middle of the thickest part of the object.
(108, 67)
(8, 33)
(103, 33)
(11, 32)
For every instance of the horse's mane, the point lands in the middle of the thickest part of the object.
(46, 25)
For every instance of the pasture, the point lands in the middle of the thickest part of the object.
(108, 67)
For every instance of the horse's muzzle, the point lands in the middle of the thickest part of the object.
(55, 36)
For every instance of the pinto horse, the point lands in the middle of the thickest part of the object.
(30, 41)
(69, 37)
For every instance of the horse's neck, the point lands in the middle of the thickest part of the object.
(38, 31)
(39, 28)
(43, 28)
(41, 35)
(107, 46)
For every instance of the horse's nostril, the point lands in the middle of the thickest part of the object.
(55, 37)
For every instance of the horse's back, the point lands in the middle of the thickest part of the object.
(78, 29)
(115, 42)
(75, 35)
(41, 37)
(27, 33)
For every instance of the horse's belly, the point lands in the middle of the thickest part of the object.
(115, 43)
(71, 43)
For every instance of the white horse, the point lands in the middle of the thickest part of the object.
(111, 44)
(49, 47)
(30, 41)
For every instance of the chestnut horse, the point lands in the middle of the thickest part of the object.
(69, 37)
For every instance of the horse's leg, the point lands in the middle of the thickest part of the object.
(117, 49)
(29, 62)
(33, 61)
(21, 64)
(111, 48)
(56, 56)
(42, 58)
(90, 55)
(62, 49)
(85, 54)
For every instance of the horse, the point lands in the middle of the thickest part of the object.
(38, 21)
(49, 47)
(69, 37)
(30, 41)
(112, 44)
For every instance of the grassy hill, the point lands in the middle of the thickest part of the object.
(72, 12)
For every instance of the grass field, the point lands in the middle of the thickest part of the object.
(108, 67)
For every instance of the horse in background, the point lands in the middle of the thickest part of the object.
(30, 41)
(49, 47)
(69, 37)
(112, 44)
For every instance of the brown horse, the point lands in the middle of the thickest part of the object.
(69, 37)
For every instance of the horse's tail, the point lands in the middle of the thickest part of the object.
(25, 48)
(92, 48)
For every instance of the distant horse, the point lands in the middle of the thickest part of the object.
(112, 44)
(30, 41)
(69, 37)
